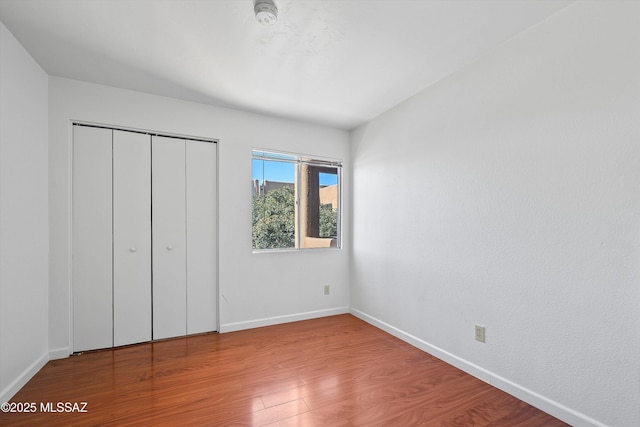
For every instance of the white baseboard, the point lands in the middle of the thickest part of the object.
(543, 403)
(9, 391)
(59, 353)
(269, 321)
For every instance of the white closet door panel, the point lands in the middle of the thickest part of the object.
(169, 239)
(201, 188)
(91, 243)
(131, 238)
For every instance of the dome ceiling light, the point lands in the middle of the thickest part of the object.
(266, 12)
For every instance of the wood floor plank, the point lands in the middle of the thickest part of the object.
(334, 371)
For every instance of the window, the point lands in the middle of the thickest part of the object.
(295, 201)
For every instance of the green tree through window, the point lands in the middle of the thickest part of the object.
(274, 219)
(328, 221)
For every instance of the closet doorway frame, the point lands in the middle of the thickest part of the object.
(70, 235)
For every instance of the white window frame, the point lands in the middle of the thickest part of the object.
(300, 162)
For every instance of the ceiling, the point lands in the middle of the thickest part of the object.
(335, 62)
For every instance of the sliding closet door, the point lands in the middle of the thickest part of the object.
(131, 238)
(169, 240)
(91, 242)
(202, 239)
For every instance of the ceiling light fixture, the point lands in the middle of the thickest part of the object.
(266, 12)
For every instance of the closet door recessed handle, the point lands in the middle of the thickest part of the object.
(132, 249)
(169, 247)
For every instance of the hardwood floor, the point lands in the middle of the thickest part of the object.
(333, 371)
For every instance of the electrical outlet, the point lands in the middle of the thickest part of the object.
(326, 289)
(480, 333)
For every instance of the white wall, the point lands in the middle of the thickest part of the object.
(508, 195)
(24, 224)
(255, 289)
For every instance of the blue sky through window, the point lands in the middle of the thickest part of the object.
(273, 171)
(328, 179)
(282, 172)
